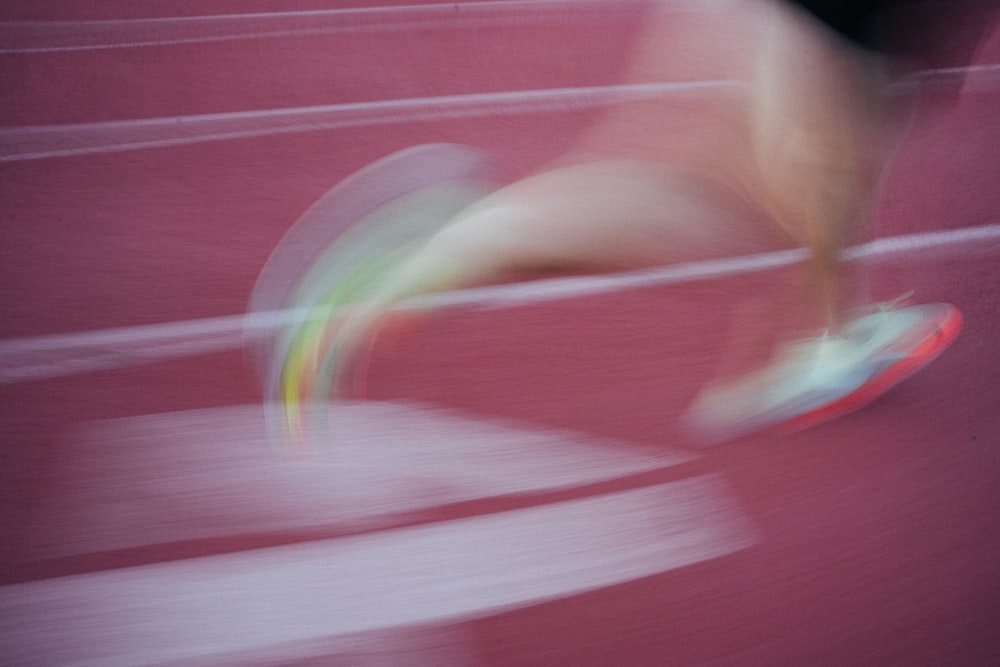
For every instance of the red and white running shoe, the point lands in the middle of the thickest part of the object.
(815, 380)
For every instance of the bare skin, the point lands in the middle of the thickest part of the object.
(777, 160)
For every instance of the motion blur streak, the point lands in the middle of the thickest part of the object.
(263, 598)
(217, 469)
(548, 509)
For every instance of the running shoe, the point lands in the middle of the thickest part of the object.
(815, 380)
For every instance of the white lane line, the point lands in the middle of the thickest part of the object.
(53, 141)
(502, 296)
(432, 573)
(39, 357)
(215, 473)
(927, 241)
(48, 141)
(54, 36)
(983, 78)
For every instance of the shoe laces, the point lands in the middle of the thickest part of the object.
(898, 301)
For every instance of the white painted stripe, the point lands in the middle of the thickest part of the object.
(986, 69)
(215, 473)
(554, 289)
(39, 357)
(47, 141)
(924, 241)
(432, 573)
(55, 36)
(974, 79)
(52, 141)
(984, 77)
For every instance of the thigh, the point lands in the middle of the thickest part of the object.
(603, 215)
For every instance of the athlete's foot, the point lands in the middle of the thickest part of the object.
(815, 380)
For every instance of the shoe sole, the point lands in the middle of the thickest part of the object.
(946, 330)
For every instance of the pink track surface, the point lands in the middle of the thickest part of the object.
(871, 540)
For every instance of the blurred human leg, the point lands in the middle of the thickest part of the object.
(595, 216)
(791, 159)
(815, 135)
(773, 166)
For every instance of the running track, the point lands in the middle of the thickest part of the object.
(522, 496)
